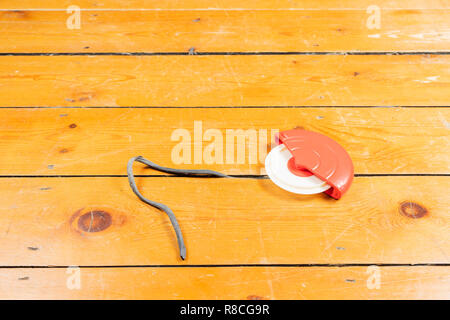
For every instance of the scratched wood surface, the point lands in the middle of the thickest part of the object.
(252, 283)
(76, 104)
(230, 4)
(225, 31)
(264, 80)
(100, 141)
(98, 221)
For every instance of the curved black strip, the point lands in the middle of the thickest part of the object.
(161, 206)
(180, 172)
(157, 205)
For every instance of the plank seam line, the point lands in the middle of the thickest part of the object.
(300, 265)
(236, 53)
(214, 9)
(243, 176)
(208, 107)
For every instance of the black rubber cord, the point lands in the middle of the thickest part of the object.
(163, 207)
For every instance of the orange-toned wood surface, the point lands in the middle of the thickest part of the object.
(100, 141)
(225, 31)
(332, 80)
(76, 104)
(229, 283)
(229, 5)
(380, 220)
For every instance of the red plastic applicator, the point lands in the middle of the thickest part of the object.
(307, 162)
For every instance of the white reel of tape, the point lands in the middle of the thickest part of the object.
(277, 169)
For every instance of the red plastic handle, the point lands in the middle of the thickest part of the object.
(322, 156)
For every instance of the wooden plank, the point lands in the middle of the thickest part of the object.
(227, 283)
(229, 4)
(223, 31)
(43, 221)
(100, 141)
(225, 80)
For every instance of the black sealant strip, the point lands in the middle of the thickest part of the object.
(161, 206)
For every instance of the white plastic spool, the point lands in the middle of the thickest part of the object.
(277, 169)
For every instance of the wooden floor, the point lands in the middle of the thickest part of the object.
(76, 104)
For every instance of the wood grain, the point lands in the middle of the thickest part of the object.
(225, 80)
(223, 31)
(229, 4)
(234, 283)
(54, 222)
(100, 141)
(99, 221)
